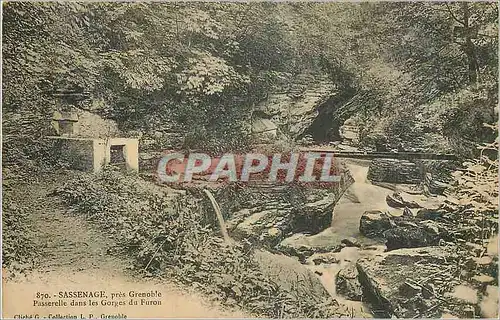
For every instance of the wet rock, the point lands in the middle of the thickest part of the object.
(290, 275)
(383, 278)
(303, 246)
(347, 284)
(396, 201)
(395, 171)
(408, 237)
(374, 223)
(409, 289)
(351, 242)
(431, 214)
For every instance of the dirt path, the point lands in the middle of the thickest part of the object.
(76, 257)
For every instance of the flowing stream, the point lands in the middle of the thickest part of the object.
(360, 197)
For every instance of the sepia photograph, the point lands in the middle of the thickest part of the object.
(258, 159)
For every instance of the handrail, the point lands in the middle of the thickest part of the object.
(384, 155)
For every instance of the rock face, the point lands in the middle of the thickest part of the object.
(411, 283)
(374, 223)
(294, 106)
(347, 284)
(395, 171)
(266, 214)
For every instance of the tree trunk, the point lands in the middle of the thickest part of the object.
(469, 47)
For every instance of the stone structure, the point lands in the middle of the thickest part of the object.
(65, 123)
(83, 142)
(91, 154)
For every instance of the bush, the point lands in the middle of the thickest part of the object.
(18, 250)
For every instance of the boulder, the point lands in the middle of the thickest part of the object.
(316, 215)
(395, 171)
(290, 275)
(412, 283)
(396, 201)
(266, 226)
(303, 246)
(350, 242)
(347, 284)
(408, 237)
(374, 223)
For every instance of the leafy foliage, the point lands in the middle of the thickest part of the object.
(201, 67)
(18, 250)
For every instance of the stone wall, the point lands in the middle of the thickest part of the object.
(77, 154)
(89, 154)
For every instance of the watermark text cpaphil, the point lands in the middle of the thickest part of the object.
(302, 167)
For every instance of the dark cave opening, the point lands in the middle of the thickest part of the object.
(326, 126)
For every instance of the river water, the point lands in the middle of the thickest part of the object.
(361, 196)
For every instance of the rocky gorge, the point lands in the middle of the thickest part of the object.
(381, 247)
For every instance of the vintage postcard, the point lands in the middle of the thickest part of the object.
(249, 160)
